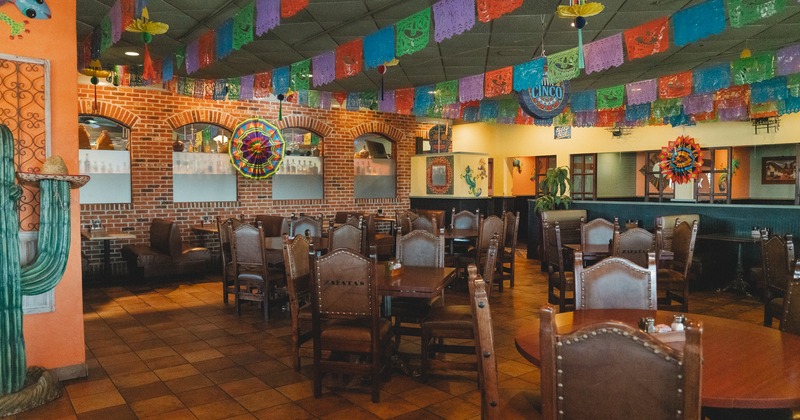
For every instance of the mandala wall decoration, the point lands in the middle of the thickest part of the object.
(256, 149)
(681, 160)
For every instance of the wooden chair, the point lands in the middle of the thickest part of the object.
(346, 319)
(302, 224)
(383, 242)
(509, 249)
(228, 268)
(489, 227)
(484, 347)
(777, 260)
(274, 226)
(615, 283)
(668, 224)
(416, 249)
(297, 254)
(570, 225)
(597, 232)
(633, 245)
(347, 236)
(560, 281)
(464, 219)
(432, 215)
(790, 321)
(611, 370)
(403, 219)
(251, 282)
(674, 281)
(423, 223)
(454, 322)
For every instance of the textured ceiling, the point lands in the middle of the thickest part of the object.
(509, 40)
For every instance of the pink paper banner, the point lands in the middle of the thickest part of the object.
(116, 22)
(470, 88)
(324, 68)
(698, 104)
(788, 60)
(268, 15)
(603, 54)
(452, 17)
(642, 92)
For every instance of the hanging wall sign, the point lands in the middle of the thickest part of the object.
(256, 148)
(545, 100)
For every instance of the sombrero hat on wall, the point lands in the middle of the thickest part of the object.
(53, 168)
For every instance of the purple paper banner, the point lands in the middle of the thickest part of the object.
(737, 113)
(470, 88)
(268, 15)
(324, 68)
(325, 100)
(698, 104)
(387, 103)
(452, 17)
(452, 111)
(642, 92)
(788, 60)
(585, 119)
(603, 54)
(193, 56)
(116, 21)
(246, 89)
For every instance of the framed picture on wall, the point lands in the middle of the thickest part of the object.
(778, 170)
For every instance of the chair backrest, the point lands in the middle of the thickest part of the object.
(302, 224)
(669, 222)
(434, 215)
(421, 249)
(247, 245)
(684, 236)
(777, 255)
(570, 223)
(484, 345)
(273, 225)
(615, 283)
(490, 226)
(511, 223)
(344, 286)
(465, 219)
(165, 237)
(790, 321)
(403, 219)
(347, 236)
(611, 370)
(553, 247)
(490, 264)
(355, 220)
(597, 232)
(423, 223)
(224, 237)
(633, 245)
(298, 269)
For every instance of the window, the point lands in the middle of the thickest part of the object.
(104, 156)
(201, 169)
(374, 166)
(543, 163)
(656, 186)
(582, 172)
(301, 173)
(714, 183)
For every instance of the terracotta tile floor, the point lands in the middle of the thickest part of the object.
(175, 351)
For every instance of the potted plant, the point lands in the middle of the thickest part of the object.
(553, 190)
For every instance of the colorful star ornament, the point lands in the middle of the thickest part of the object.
(256, 149)
(579, 10)
(681, 160)
(148, 28)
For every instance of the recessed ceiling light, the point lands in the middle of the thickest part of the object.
(131, 53)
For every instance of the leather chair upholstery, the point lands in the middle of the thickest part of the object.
(252, 282)
(423, 223)
(569, 224)
(489, 227)
(297, 255)
(597, 232)
(432, 215)
(346, 319)
(790, 321)
(165, 254)
(611, 370)
(615, 283)
(347, 236)
(633, 245)
(302, 224)
(464, 219)
(228, 269)
(668, 224)
(777, 260)
(560, 281)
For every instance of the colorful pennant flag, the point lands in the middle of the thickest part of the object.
(349, 58)
(753, 69)
(290, 8)
(379, 47)
(563, 65)
(268, 15)
(498, 82)
(470, 88)
(698, 22)
(743, 12)
(647, 39)
(610, 98)
(452, 17)
(489, 10)
(529, 74)
(675, 85)
(324, 66)
(299, 75)
(413, 33)
(603, 54)
(243, 26)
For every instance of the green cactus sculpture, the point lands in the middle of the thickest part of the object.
(40, 276)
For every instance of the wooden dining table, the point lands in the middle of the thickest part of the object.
(745, 365)
(592, 252)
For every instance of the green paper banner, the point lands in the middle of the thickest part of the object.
(105, 34)
(508, 108)
(743, 12)
(234, 88)
(413, 33)
(562, 66)
(446, 93)
(667, 108)
(369, 100)
(180, 55)
(753, 69)
(563, 119)
(298, 79)
(243, 26)
(793, 84)
(610, 98)
(313, 99)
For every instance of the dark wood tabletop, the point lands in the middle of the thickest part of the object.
(730, 237)
(206, 228)
(744, 365)
(276, 242)
(460, 233)
(420, 282)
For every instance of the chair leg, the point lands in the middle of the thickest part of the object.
(511, 283)
(767, 317)
(224, 289)
(426, 363)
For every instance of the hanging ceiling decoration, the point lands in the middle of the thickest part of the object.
(148, 28)
(95, 71)
(579, 10)
(681, 160)
(256, 148)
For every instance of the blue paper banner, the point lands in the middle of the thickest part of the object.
(698, 22)
(528, 75)
(280, 80)
(379, 47)
(168, 68)
(546, 122)
(769, 90)
(488, 110)
(639, 112)
(583, 101)
(302, 98)
(789, 105)
(423, 99)
(224, 39)
(711, 79)
(220, 89)
(353, 101)
(471, 114)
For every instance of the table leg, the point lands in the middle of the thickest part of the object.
(738, 284)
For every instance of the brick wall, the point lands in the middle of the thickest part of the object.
(153, 114)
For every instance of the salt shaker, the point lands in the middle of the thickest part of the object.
(677, 323)
(648, 325)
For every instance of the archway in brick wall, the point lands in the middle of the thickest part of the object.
(107, 110)
(308, 123)
(222, 119)
(393, 133)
